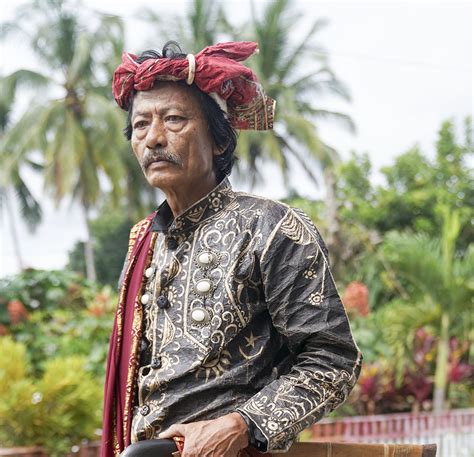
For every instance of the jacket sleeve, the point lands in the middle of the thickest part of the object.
(306, 309)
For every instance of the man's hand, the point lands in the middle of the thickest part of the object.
(222, 437)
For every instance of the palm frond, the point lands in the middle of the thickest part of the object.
(276, 153)
(304, 132)
(80, 65)
(9, 87)
(404, 320)
(417, 259)
(299, 52)
(321, 83)
(344, 120)
(305, 164)
(30, 208)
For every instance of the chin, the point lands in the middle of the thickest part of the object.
(161, 180)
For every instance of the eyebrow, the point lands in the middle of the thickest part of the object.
(162, 111)
(139, 113)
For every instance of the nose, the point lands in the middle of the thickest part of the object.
(156, 136)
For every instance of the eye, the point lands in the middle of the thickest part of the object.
(140, 124)
(174, 118)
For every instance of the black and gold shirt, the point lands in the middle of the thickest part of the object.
(241, 313)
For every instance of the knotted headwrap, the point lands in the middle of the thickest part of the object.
(216, 70)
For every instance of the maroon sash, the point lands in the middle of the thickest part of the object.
(122, 359)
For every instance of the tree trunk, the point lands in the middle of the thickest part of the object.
(333, 225)
(441, 375)
(14, 232)
(88, 248)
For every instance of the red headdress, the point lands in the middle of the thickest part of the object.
(216, 70)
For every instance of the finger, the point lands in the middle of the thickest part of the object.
(174, 430)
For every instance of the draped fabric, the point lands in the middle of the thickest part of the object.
(122, 357)
(216, 71)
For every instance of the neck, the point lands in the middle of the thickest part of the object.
(179, 200)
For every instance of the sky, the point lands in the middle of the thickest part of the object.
(408, 66)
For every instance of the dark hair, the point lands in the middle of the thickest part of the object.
(222, 131)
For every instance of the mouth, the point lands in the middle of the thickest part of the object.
(156, 161)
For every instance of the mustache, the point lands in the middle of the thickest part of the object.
(154, 155)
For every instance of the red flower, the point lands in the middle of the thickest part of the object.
(356, 298)
(17, 311)
(459, 371)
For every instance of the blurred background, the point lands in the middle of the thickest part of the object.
(373, 139)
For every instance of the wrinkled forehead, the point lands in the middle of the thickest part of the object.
(168, 95)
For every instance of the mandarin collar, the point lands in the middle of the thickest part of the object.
(216, 200)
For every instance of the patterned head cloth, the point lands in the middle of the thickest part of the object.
(216, 70)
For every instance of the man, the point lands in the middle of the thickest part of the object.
(229, 330)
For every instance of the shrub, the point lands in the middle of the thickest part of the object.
(57, 411)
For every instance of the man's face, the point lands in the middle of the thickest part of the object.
(170, 138)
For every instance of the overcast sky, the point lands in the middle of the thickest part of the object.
(408, 65)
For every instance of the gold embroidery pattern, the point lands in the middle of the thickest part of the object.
(295, 230)
(224, 242)
(283, 415)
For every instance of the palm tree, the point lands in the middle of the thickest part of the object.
(293, 75)
(203, 24)
(288, 73)
(11, 178)
(440, 285)
(79, 131)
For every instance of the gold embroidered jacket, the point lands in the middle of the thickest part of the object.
(240, 313)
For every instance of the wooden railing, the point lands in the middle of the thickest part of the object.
(453, 431)
(393, 427)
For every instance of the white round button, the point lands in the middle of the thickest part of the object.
(199, 315)
(203, 286)
(205, 258)
(149, 271)
(145, 299)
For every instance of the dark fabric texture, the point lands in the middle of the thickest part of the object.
(240, 312)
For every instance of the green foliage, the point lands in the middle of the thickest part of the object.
(67, 333)
(56, 411)
(413, 199)
(66, 316)
(110, 232)
(354, 190)
(45, 291)
(368, 332)
(14, 369)
(433, 276)
(400, 322)
(51, 375)
(439, 290)
(417, 187)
